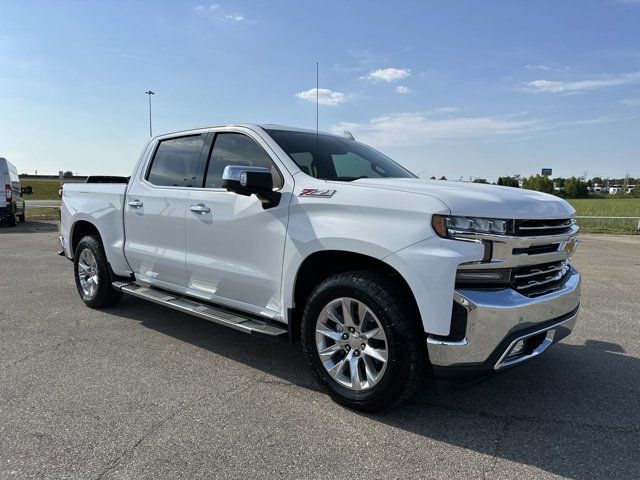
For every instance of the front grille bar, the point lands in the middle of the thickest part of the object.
(537, 283)
(546, 227)
(537, 271)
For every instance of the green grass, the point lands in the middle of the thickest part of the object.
(607, 207)
(42, 189)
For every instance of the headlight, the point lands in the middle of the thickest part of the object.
(448, 226)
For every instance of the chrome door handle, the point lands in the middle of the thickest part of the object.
(200, 208)
(135, 203)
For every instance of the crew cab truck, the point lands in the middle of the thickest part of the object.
(283, 232)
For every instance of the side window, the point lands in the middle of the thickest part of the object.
(351, 165)
(15, 180)
(237, 149)
(176, 161)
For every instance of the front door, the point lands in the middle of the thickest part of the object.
(155, 209)
(235, 247)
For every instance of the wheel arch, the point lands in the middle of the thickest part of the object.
(320, 265)
(79, 229)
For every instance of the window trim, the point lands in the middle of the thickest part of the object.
(208, 161)
(152, 159)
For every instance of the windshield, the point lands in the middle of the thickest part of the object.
(329, 157)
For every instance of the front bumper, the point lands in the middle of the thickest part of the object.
(505, 328)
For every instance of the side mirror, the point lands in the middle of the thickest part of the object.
(26, 190)
(251, 181)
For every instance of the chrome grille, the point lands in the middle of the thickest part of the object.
(535, 280)
(536, 254)
(528, 228)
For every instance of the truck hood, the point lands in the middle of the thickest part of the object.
(480, 200)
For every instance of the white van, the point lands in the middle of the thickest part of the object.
(12, 205)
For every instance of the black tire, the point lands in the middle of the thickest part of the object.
(407, 356)
(12, 221)
(104, 295)
(21, 218)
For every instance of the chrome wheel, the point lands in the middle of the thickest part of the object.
(88, 272)
(351, 343)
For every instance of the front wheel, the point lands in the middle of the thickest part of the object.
(93, 274)
(362, 340)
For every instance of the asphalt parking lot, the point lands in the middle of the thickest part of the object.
(139, 391)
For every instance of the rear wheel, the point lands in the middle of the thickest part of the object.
(93, 274)
(22, 218)
(12, 220)
(363, 341)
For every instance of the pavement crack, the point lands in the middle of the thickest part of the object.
(156, 427)
(488, 473)
(45, 349)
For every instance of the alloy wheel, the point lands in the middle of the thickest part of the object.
(351, 343)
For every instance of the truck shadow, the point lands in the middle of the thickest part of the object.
(574, 413)
(30, 226)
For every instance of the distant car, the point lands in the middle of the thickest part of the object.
(106, 179)
(12, 208)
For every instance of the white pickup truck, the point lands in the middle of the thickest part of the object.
(279, 231)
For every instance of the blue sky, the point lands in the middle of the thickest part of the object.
(455, 88)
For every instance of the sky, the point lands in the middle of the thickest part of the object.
(455, 88)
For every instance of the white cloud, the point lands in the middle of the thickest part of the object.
(537, 67)
(218, 13)
(324, 96)
(541, 67)
(631, 102)
(553, 86)
(387, 74)
(402, 89)
(416, 129)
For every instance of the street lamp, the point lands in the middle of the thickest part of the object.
(149, 93)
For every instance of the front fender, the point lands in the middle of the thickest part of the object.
(429, 268)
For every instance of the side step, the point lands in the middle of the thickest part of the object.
(202, 310)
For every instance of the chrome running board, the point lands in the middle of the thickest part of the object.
(205, 311)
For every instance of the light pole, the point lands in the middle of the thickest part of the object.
(149, 93)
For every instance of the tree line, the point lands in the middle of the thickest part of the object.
(573, 187)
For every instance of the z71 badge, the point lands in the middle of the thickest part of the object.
(314, 192)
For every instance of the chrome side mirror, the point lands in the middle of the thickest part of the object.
(247, 180)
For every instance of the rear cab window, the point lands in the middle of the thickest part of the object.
(175, 162)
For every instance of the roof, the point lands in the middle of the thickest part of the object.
(251, 126)
(272, 126)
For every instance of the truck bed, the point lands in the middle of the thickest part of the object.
(101, 204)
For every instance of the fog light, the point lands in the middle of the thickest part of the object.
(517, 349)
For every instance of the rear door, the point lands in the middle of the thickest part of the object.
(235, 247)
(154, 211)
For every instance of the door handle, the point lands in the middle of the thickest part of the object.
(200, 208)
(135, 203)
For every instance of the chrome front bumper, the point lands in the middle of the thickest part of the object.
(500, 321)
